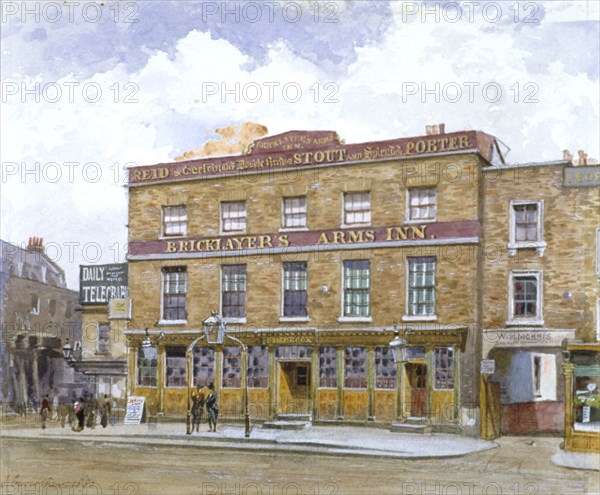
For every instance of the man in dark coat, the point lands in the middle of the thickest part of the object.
(45, 411)
(212, 408)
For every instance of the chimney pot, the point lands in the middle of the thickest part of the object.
(434, 129)
(581, 157)
(442, 128)
(565, 154)
(428, 130)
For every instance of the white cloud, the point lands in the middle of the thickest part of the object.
(366, 103)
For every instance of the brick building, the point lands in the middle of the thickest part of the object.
(38, 312)
(540, 283)
(312, 249)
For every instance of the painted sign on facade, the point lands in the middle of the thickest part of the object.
(98, 284)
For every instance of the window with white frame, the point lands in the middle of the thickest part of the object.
(233, 217)
(147, 366)
(421, 287)
(422, 204)
(294, 289)
(357, 208)
(525, 297)
(174, 221)
(174, 293)
(357, 288)
(526, 226)
(443, 368)
(233, 291)
(103, 338)
(175, 366)
(294, 213)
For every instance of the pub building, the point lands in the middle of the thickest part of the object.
(313, 252)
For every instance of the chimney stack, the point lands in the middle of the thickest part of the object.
(442, 128)
(35, 244)
(434, 129)
(582, 159)
(428, 130)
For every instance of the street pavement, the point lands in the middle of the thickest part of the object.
(326, 440)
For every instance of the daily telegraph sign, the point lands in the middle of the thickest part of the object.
(98, 284)
(306, 149)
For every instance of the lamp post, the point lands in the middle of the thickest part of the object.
(215, 333)
(67, 351)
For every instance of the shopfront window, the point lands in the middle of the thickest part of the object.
(385, 368)
(147, 367)
(327, 367)
(355, 369)
(258, 371)
(232, 367)
(586, 393)
(175, 366)
(204, 366)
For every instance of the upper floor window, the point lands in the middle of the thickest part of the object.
(52, 307)
(103, 338)
(598, 251)
(174, 293)
(357, 208)
(525, 297)
(357, 288)
(526, 226)
(174, 220)
(233, 291)
(294, 213)
(35, 304)
(422, 204)
(421, 287)
(294, 289)
(233, 217)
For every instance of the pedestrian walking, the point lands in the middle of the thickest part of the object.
(90, 413)
(64, 413)
(45, 410)
(105, 410)
(198, 401)
(55, 404)
(79, 414)
(212, 408)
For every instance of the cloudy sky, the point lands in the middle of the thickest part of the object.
(91, 87)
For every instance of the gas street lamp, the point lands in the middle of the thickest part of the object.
(215, 333)
(397, 344)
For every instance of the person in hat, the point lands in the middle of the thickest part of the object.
(212, 408)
